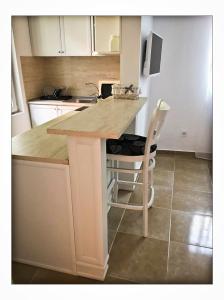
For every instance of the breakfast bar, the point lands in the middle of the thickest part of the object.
(78, 149)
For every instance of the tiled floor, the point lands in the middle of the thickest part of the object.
(179, 246)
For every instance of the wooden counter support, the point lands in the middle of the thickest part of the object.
(87, 159)
(87, 134)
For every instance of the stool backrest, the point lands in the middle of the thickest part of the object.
(158, 117)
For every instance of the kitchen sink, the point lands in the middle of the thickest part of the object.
(82, 99)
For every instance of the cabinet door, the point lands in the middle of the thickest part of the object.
(107, 34)
(77, 35)
(42, 113)
(45, 36)
(62, 110)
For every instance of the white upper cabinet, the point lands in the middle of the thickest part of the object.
(77, 35)
(106, 33)
(60, 36)
(45, 36)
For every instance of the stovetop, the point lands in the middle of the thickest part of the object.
(52, 97)
(71, 99)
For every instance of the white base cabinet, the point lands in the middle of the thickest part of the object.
(40, 114)
(43, 230)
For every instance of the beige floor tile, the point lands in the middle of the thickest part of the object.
(164, 163)
(22, 273)
(44, 276)
(124, 196)
(163, 178)
(163, 196)
(192, 201)
(111, 237)
(189, 264)
(115, 280)
(138, 259)
(165, 153)
(114, 217)
(191, 229)
(193, 164)
(184, 155)
(158, 223)
(193, 180)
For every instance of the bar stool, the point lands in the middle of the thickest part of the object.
(134, 148)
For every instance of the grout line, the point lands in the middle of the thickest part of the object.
(191, 213)
(171, 208)
(141, 236)
(116, 231)
(34, 274)
(182, 243)
(114, 275)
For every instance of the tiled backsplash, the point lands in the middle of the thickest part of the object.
(73, 72)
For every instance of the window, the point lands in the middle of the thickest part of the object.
(14, 99)
(15, 83)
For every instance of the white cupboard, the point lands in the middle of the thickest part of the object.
(40, 114)
(60, 36)
(45, 36)
(106, 33)
(77, 35)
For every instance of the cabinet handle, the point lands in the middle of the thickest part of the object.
(59, 51)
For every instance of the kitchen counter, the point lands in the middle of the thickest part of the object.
(76, 100)
(60, 189)
(37, 145)
(107, 119)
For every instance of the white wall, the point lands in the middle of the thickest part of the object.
(134, 32)
(184, 83)
(143, 117)
(21, 120)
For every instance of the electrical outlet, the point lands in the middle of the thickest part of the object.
(184, 133)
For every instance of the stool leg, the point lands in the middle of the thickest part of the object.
(145, 202)
(115, 195)
(150, 185)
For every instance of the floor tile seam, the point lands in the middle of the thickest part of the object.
(116, 231)
(140, 235)
(192, 189)
(188, 244)
(117, 276)
(190, 213)
(187, 190)
(160, 207)
(170, 223)
(34, 275)
(138, 281)
(153, 206)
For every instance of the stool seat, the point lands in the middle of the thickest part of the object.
(128, 144)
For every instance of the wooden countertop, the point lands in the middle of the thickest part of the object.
(106, 119)
(37, 145)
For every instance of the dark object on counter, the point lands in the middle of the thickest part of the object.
(106, 90)
(52, 97)
(81, 108)
(56, 93)
(129, 88)
(128, 144)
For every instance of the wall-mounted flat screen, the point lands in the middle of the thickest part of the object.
(153, 55)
